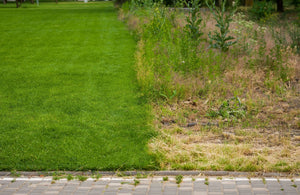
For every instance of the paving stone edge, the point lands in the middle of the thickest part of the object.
(153, 173)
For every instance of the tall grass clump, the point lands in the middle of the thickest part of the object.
(217, 77)
(183, 52)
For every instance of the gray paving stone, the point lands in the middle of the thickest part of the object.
(229, 186)
(170, 193)
(215, 189)
(155, 192)
(148, 187)
(244, 192)
(6, 193)
(230, 193)
(80, 193)
(139, 193)
(242, 182)
(22, 192)
(200, 192)
(185, 192)
(141, 188)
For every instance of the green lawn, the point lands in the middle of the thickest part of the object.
(68, 93)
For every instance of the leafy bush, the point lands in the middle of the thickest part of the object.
(261, 9)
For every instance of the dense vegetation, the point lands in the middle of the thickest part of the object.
(223, 81)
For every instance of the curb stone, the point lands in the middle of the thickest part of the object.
(154, 173)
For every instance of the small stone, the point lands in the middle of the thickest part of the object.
(191, 124)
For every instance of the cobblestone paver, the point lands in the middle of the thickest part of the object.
(150, 186)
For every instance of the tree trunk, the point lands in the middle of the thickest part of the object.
(280, 6)
(17, 3)
(4, 2)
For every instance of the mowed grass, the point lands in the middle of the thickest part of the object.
(68, 93)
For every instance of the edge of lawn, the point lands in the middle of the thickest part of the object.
(145, 174)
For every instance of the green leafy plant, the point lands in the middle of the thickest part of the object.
(96, 176)
(206, 181)
(194, 20)
(232, 108)
(178, 179)
(56, 177)
(136, 182)
(166, 178)
(14, 173)
(220, 39)
(82, 178)
(140, 175)
(70, 177)
(261, 9)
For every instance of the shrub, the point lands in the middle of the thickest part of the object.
(261, 9)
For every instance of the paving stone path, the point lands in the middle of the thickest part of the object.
(149, 186)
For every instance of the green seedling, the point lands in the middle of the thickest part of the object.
(82, 178)
(70, 177)
(179, 179)
(136, 182)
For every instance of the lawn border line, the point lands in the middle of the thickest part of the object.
(152, 179)
(152, 173)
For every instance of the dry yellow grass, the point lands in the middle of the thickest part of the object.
(267, 139)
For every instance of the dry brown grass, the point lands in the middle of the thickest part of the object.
(267, 139)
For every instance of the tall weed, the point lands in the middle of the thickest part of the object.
(220, 39)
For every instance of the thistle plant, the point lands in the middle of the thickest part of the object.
(194, 20)
(220, 39)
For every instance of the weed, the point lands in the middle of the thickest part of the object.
(219, 178)
(120, 174)
(52, 182)
(194, 20)
(294, 185)
(206, 183)
(56, 178)
(82, 178)
(140, 175)
(221, 40)
(178, 179)
(282, 189)
(166, 178)
(136, 182)
(70, 177)
(14, 180)
(14, 173)
(264, 180)
(232, 108)
(97, 176)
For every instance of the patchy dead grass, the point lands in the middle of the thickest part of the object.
(266, 139)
